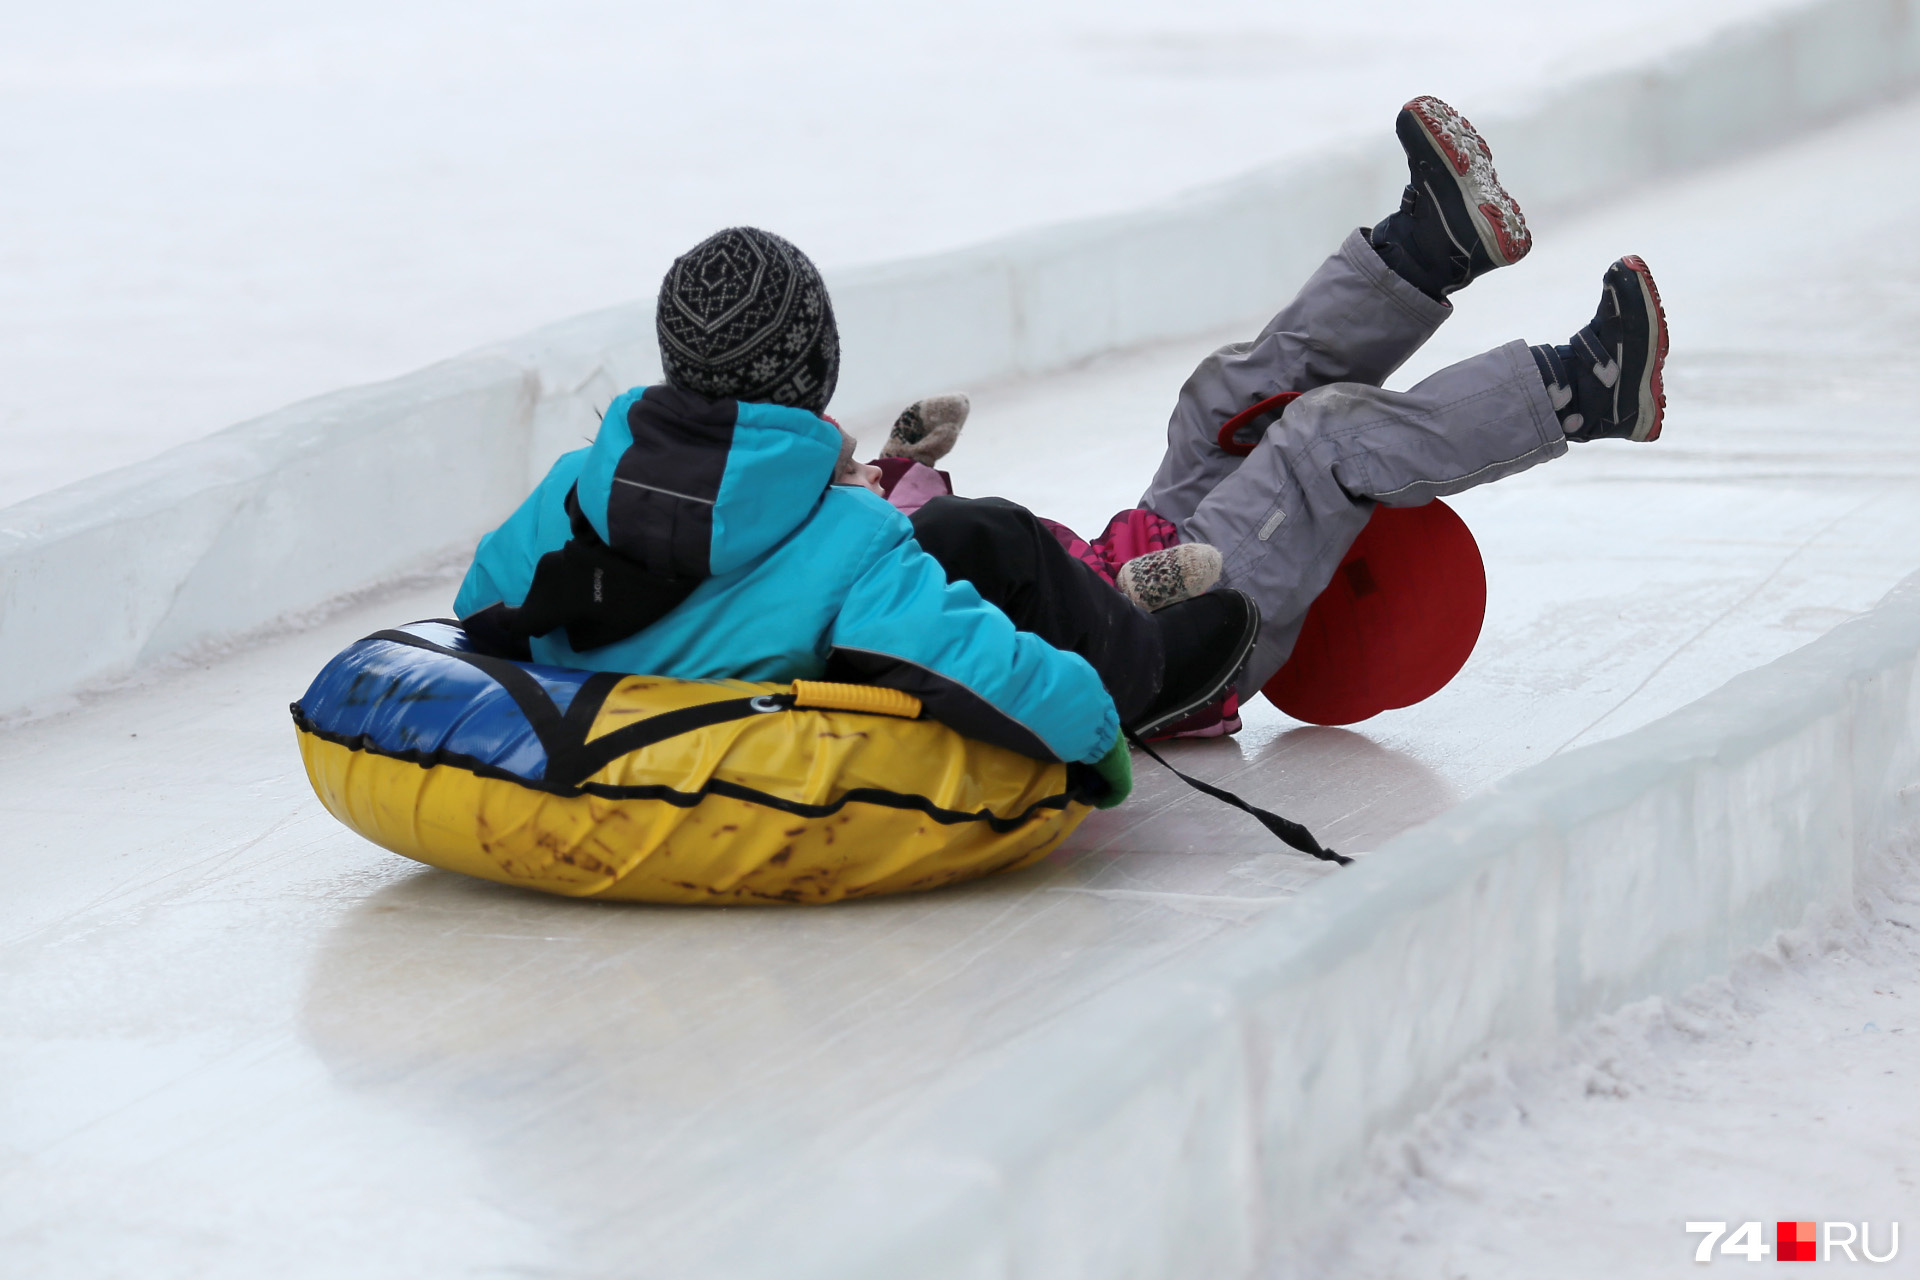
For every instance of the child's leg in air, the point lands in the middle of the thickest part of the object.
(1365, 311)
(1355, 321)
(1284, 518)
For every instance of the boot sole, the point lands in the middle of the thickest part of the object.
(1653, 392)
(1212, 690)
(1495, 214)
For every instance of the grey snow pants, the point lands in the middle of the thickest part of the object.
(1283, 516)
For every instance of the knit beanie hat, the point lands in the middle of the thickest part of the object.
(744, 315)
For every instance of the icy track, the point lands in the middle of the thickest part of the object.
(240, 1041)
(215, 208)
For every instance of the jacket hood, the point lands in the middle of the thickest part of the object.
(695, 488)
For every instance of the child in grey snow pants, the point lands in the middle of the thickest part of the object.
(1283, 516)
(1270, 527)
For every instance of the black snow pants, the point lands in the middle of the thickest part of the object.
(1019, 567)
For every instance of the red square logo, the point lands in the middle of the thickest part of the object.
(1796, 1242)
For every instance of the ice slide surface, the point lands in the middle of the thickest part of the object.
(239, 1040)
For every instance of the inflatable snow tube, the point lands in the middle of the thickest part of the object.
(647, 789)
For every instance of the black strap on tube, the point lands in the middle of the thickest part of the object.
(1287, 829)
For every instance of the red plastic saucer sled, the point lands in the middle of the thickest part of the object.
(1396, 623)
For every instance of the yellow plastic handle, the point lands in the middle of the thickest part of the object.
(823, 695)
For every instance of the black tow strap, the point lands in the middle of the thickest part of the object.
(1287, 829)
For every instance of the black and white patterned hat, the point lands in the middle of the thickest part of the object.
(744, 315)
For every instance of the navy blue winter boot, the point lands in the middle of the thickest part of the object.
(1605, 382)
(1205, 641)
(1456, 221)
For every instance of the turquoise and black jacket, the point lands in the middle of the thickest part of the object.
(702, 539)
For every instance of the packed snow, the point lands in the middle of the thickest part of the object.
(1784, 1092)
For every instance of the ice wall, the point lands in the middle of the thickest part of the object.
(1195, 1122)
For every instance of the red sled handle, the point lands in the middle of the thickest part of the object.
(1264, 414)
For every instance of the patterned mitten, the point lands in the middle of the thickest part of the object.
(926, 430)
(1160, 578)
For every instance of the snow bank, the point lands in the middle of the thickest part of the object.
(283, 514)
(267, 519)
(1196, 1122)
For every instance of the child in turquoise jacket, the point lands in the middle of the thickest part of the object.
(702, 536)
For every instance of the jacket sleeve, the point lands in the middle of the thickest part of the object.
(904, 626)
(504, 563)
